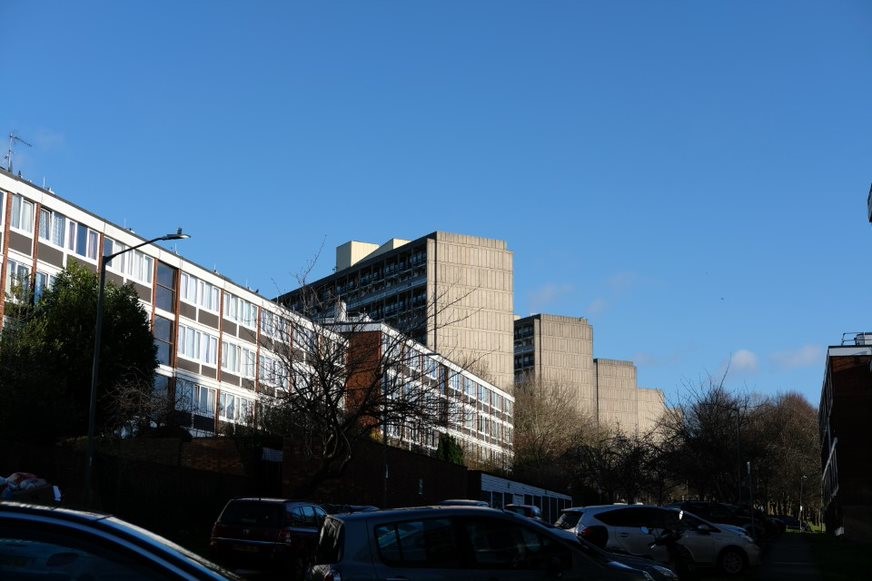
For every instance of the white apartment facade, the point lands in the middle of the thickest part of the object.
(219, 344)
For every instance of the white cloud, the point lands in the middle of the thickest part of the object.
(623, 281)
(744, 361)
(806, 356)
(547, 295)
(597, 307)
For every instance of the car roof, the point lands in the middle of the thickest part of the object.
(413, 511)
(271, 500)
(108, 524)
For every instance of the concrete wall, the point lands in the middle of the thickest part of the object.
(616, 386)
(471, 289)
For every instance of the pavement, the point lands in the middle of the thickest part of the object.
(788, 558)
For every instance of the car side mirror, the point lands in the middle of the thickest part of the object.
(704, 529)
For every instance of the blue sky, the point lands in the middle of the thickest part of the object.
(690, 176)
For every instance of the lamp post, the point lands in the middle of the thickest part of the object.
(95, 361)
(801, 482)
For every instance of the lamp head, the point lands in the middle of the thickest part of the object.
(179, 235)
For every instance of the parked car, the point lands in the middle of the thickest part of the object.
(708, 545)
(39, 542)
(446, 542)
(658, 571)
(266, 534)
(527, 510)
(755, 522)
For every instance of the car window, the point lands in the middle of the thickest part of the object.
(40, 552)
(568, 519)
(251, 513)
(497, 544)
(329, 549)
(309, 516)
(625, 517)
(298, 518)
(419, 543)
(320, 514)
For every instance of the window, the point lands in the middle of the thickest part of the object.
(272, 372)
(22, 213)
(498, 544)
(166, 287)
(82, 240)
(195, 398)
(240, 311)
(197, 345)
(134, 264)
(231, 357)
(249, 360)
(233, 408)
(42, 281)
(200, 292)
(17, 277)
(272, 325)
(422, 543)
(163, 339)
(52, 227)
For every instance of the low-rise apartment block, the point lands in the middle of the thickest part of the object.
(222, 348)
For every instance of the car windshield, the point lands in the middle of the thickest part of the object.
(252, 513)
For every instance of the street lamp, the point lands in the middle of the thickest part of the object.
(95, 362)
(801, 482)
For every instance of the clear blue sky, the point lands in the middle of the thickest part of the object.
(690, 176)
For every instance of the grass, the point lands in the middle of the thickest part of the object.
(840, 559)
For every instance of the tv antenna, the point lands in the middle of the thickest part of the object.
(8, 157)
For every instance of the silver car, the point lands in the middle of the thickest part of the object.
(445, 542)
(709, 545)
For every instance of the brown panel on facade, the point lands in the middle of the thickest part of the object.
(191, 366)
(20, 242)
(210, 372)
(228, 328)
(229, 378)
(90, 266)
(188, 311)
(208, 319)
(114, 278)
(248, 383)
(51, 255)
(144, 292)
(247, 334)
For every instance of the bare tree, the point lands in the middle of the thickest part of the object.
(547, 427)
(347, 378)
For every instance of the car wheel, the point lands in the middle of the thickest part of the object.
(731, 561)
